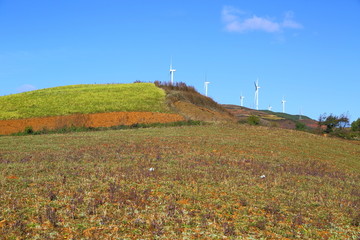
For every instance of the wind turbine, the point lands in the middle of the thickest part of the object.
(242, 100)
(283, 105)
(172, 72)
(206, 83)
(257, 94)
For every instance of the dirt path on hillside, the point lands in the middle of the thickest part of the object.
(86, 120)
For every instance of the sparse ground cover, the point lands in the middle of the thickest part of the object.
(83, 99)
(197, 182)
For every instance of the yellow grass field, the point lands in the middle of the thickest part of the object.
(83, 99)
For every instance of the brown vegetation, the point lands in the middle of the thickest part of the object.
(188, 102)
(194, 112)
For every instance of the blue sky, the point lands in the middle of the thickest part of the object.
(305, 51)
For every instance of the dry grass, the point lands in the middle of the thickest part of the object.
(179, 91)
(199, 182)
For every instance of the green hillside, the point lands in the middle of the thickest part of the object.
(92, 98)
(286, 116)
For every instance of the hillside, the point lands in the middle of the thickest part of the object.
(270, 118)
(219, 181)
(286, 115)
(83, 99)
(106, 105)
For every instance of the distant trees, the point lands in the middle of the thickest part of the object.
(355, 125)
(332, 122)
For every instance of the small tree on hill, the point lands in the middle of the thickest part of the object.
(332, 122)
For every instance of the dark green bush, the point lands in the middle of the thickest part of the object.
(355, 125)
(346, 134)
(253, 120)
(300, 126)
(29, 130)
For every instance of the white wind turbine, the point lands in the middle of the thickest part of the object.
(242, 100)
(206, 83)
(283, 105)
(257, 94)
(172, 72)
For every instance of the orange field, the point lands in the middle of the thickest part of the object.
(86, 120)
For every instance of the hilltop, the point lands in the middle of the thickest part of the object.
(83, 99)
(106, 105)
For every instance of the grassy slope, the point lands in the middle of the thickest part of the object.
(206, 184)
(188, 94)
(83, 99)
(285, 115)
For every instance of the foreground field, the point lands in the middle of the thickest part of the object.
(198, 182)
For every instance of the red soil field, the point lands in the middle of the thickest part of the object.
(86, 120)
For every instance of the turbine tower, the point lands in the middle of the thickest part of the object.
(283, 105)
(206, 87)
(172, 72)
(257, 94)
(242, 100)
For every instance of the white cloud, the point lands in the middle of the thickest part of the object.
(235, 22)
(258, 23)
(289, 22)
(230, 14)
(25, 88)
